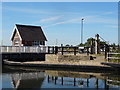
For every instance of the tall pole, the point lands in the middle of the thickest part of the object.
(82, 30)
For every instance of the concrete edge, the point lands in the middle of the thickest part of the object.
(62, 66)
(117, 65)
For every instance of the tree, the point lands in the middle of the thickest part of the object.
(88, 43)
(113, 46)
(81, 44)
(67, 45)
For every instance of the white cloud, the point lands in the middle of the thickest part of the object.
(49, 19)
(63, 22)
(88, 20)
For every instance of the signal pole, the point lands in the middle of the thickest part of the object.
(82, 30)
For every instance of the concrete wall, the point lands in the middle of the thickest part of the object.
(23, 57)
(61, 58)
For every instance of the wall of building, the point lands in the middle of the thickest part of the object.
(16, 37)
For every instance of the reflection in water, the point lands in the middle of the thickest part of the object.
(59, 79)
(26, 80)
(78, 82)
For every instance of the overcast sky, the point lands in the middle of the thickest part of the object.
(62, 21)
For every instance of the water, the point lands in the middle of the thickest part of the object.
(20, 77)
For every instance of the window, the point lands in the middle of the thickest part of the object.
(34, 43)
(16, 42)
(37, 43)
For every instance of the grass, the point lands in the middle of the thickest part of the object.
(114, 60)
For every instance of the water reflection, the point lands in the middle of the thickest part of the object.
(29, 78)
(24, 80)
(77, 79)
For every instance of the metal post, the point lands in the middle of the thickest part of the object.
(82, 30)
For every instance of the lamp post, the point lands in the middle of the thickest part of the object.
(82, 30)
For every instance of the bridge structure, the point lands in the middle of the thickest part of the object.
(28, 53)
(24, 53)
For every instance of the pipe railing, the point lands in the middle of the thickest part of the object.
(112, 57)
(24, 49)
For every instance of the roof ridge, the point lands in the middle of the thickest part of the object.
(26, 25)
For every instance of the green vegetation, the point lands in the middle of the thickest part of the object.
(114, 60)
(89, 42)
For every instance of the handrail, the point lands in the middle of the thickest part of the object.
(24, 49)
(110, 53)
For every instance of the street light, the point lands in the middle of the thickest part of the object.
(82, 30)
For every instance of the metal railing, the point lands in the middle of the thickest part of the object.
(24, 49)
(111, 57)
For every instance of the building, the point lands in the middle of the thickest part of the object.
(27, 35)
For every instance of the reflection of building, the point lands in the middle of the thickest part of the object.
(27, 80)
(26, 35)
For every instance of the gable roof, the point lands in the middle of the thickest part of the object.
(30, 33)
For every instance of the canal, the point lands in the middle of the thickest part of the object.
(24, 77)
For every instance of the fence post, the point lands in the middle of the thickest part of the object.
(62, 50)
(53, 49)
(74, 50)
(106, 50)
(107, 56)
(56, 50)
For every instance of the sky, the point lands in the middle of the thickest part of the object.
(61, 21)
